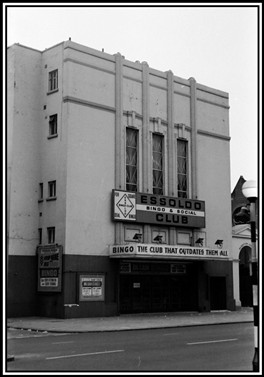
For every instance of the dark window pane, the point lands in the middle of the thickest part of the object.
(182, 164)
(157, 165)
(131, 159)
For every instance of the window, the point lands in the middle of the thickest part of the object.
(40, 191)
(157, 164)
(51, 234)
(184, 238)
(53, 80)
(40, 235)
(159, 236)
(182, 163)
(133, 234)
(53, 125)
(52, 189)
(131, 159)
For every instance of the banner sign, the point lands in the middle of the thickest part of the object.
(49, 268)
(156, 209)
(137, 250)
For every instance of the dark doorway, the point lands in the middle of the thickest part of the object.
(140, 294)
(245, 287)
(159, 287)
(160, 292)
(218, 293)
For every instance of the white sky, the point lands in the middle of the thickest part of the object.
(217, 45)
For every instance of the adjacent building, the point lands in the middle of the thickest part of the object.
(118, 187)
(241, 240)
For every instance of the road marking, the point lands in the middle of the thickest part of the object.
(82, 354)
(212, 341)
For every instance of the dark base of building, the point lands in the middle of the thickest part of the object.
(120, 287)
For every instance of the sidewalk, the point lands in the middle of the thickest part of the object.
(131, 321)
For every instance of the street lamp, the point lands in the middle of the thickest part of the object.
(249, 190)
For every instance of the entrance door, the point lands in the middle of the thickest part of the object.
(142, 293)
(218, 292)
(135, 294)
(125, 295)
(176, 292)
(159, 293)
(140, 289)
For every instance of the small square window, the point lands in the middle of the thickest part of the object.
(51, 234)
(52, 189)
(184, 238)
(53, 122)
(199, 239)
(53, 80)
(159, 236)
(133, 234)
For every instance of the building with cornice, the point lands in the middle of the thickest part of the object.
(118, 187)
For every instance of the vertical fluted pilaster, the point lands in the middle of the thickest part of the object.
(119, 138)
(146, 153)
(194, 193)
(171, 148)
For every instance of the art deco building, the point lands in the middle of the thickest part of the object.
(118, 187)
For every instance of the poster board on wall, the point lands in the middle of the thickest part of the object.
(49, 268)
(91, 287)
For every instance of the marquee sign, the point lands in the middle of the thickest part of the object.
(156, 209)
(137, 250)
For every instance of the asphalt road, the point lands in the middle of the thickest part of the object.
(228, 347)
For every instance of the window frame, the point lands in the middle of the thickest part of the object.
(130, 231)
(53, 123)
(41, 192)
(52, 190)
(182, 233)
(40, 235)
(180, 192)
(164, 232)
(51, 234)
(136, 148)
(158, 190)
(53, 81)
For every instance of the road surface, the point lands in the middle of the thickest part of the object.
(226, 347)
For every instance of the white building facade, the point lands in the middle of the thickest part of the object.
(118, 187)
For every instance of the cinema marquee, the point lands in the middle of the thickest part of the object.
(156, 209)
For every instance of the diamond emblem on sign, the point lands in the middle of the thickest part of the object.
(125, 205)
